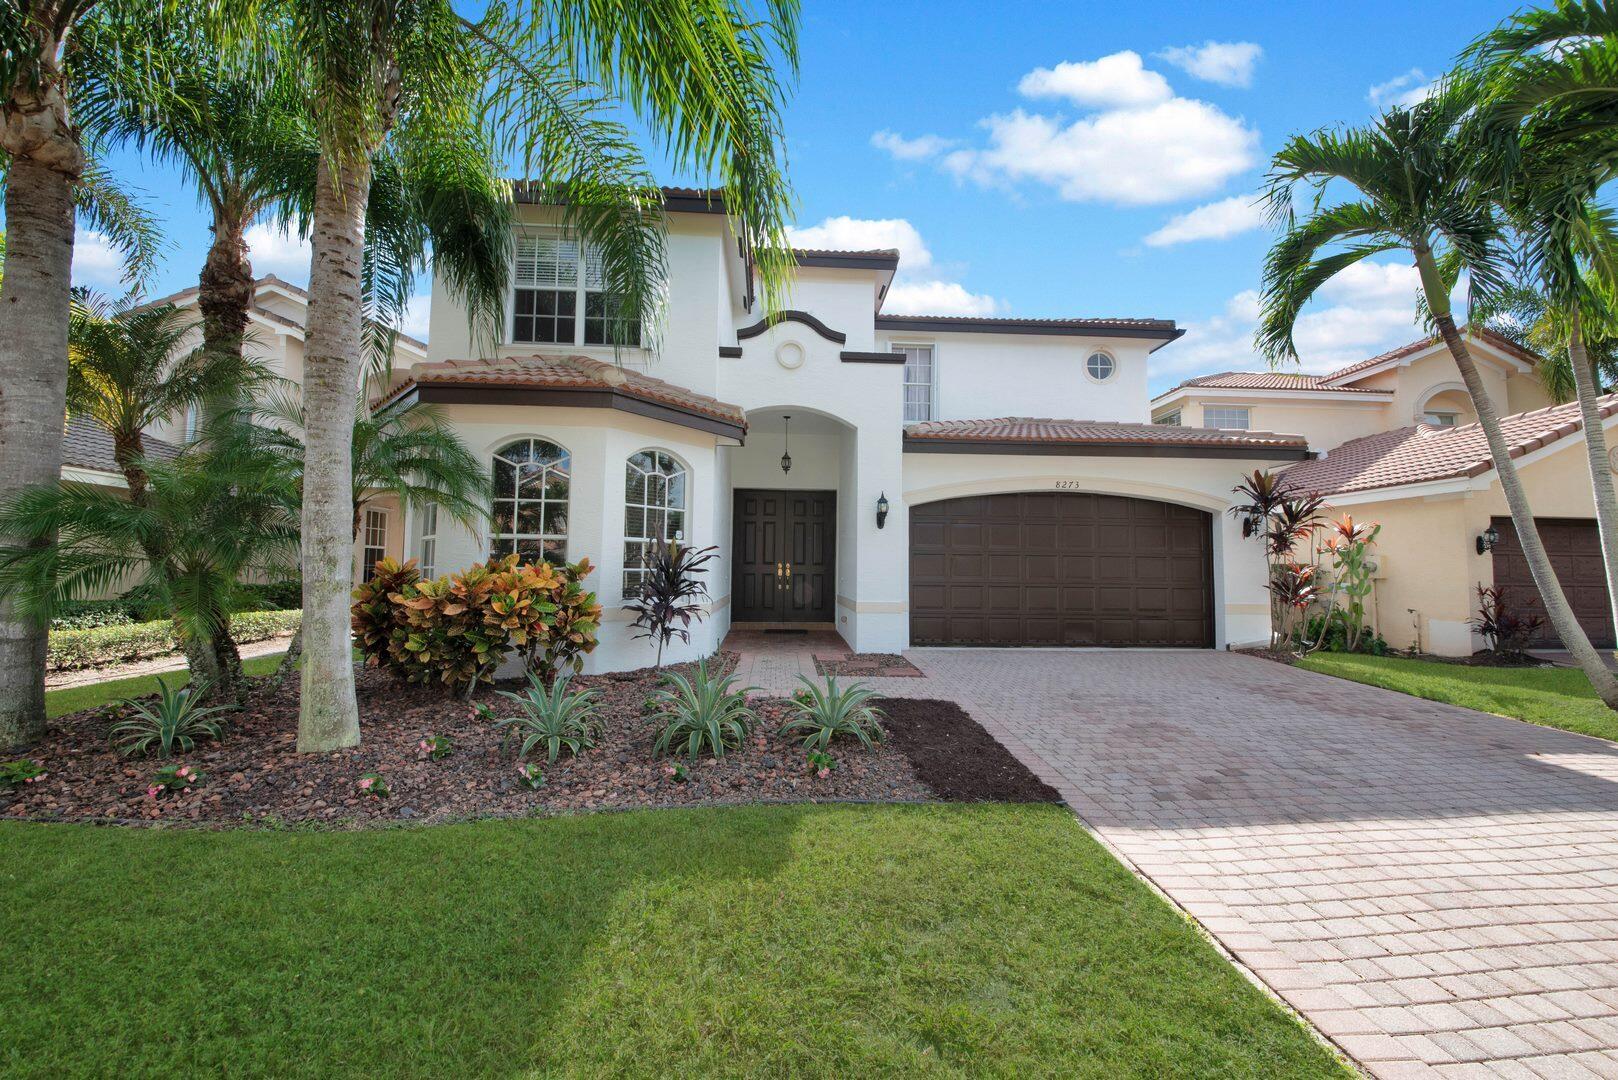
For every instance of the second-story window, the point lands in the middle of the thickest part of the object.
(1233, 417)
(554, 279)
(919, 375)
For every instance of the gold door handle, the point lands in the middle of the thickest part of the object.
(778, 575)
(789, 571)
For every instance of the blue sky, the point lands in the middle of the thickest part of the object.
(1055, 159)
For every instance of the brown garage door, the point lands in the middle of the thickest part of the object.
(1060, 568)
(1574, 546)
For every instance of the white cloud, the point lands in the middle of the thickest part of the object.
(414, 322)
(1228, 63)
(1403, 91)
(1215, 221)
(919, 286)
(1116, 81)
(1367, 309)
(937, 298)
(279, 252)
(862, 234)
(918, 149)
(1177, 149)
(96, 262)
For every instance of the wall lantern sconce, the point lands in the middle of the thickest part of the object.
(1489, 538)
(1252, 525)
(786, 443)
(882, 510)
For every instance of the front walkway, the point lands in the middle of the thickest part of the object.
(1435, 888)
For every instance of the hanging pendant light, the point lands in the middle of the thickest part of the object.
(786, 444)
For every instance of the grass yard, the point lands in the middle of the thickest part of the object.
(1555, 697)
(71, 699)
(819, 941)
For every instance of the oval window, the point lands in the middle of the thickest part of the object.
(1100, 366)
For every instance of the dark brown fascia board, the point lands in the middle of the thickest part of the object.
(983, 446)
(730, 352)
(850, 261)
(871, 357)
(674, 202)
(925, 324)
(834, 336)
(568, 398)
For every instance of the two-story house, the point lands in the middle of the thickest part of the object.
(903, 479)
(1402, 447)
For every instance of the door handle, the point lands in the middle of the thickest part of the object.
(778, 575)
(789, 571)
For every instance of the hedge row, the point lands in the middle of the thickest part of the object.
(104, 645)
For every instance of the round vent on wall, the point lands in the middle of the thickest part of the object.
(789, 354)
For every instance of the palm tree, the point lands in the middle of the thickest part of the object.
(48, 177)
(217, 517)
(415, 82)
(1412, 173)
(1522, 314)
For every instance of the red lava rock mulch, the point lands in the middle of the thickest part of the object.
(956, 757)
(868, 665)
(254, 774)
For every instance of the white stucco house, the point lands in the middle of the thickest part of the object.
(903, 479)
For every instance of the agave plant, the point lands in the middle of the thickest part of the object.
(824, 713)
(703, 712)
(173, 720)
(553, 716)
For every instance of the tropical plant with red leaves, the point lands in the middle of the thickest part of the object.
(1507, 630)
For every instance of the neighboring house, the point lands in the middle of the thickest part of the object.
(886, 475)
(275, 336)
(1404, 449)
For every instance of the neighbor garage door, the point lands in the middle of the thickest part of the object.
(1574, 546)
(1060, 568)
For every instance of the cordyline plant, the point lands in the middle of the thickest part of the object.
(671, 594)
(1507, 630)
(1286, 518)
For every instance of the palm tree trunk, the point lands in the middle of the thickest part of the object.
(329, 717)
(225, 293)
(1595, 446)
(1557, 608)
(45, 164)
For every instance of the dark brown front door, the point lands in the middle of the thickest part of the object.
(1574, 546)
(1060, 568)
(783, 552)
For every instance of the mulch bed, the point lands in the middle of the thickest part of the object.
(954, 756)
(255, 776)
(868, 665)
(1478, 659)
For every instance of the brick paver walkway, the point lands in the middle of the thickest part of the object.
(1435, 888)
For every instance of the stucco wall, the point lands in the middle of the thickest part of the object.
(1325, 424)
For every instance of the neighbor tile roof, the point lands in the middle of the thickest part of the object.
(1024, 429)
(1423, 453)
(263, 312)
(88, 445)
(1499, 341)
(566, 372)
(1274, 380)
(1064, 324)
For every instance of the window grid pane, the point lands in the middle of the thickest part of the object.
(375, 547)
(654, 511)
(1227, 417)
(918, 382)
(531, 486)
(429, 541)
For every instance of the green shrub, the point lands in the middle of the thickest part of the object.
(824, 714)
(20, 772)
(173, 778)
(274, 596)
(102, 645)
(175, 719)
(554, 717)
(1334, 635)
(89, 614)
(702, 712)
(457, 629)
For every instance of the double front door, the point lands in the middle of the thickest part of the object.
(783, 554)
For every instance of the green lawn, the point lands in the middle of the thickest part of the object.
(1554, 697)
(72, 699)
(816, 941)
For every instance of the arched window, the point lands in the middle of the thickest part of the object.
(530, 500)
(654, 510)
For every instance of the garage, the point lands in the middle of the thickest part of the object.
(1060, 568)
(1574, 545)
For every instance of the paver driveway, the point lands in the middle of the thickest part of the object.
(1435, 888)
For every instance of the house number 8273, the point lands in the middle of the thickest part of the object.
(1070, 485)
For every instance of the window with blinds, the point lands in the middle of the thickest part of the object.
(555, 278)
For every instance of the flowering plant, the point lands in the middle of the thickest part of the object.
(435, 748)
(677, 772)
(375, 786)
(22, 771)
(173, 778)
(530, 775)
(821, 764)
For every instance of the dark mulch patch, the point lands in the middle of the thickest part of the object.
(255, 774)
(952, 754)
(868, 665)
(1484, 659)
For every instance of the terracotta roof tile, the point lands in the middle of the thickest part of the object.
(1275, 380)
(1423, 453)
(1073, 324)
(88, 445)
(565, 372)
(1499, 341)
(1024, 429)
